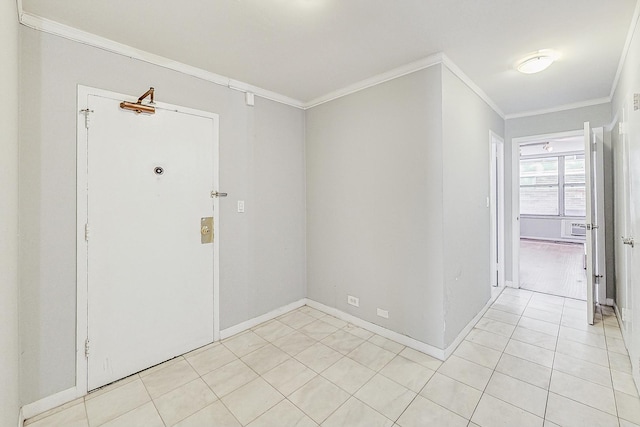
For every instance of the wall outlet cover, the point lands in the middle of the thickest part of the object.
(351, 300)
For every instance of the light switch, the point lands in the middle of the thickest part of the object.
(241, 206)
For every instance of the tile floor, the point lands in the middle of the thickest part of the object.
(530, 361)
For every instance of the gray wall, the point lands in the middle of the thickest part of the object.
(262, 252)
(9, 352)
(374, 204)
(562, 121)
(629, 83)
(547, 228)
(467, 120)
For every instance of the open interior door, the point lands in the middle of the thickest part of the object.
(589, 221)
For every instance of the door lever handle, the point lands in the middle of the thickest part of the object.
(628, 241)
(217, 194)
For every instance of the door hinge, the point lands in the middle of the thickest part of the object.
(621, 128)
(87, 118)
(86, 232)
(86, 348)
(636, 101)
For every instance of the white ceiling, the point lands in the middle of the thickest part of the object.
(305, 49)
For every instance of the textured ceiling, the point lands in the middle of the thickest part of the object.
(305, 49)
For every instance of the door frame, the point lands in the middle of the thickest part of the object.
(496, 208)
(82, 217)
(515, 193)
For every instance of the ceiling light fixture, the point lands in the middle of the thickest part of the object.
(547, 147)
(536, 62)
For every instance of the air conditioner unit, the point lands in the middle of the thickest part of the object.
(572, 228)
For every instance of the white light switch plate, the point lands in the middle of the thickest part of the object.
(241, 206)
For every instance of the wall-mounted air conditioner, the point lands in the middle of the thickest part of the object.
(572, 228)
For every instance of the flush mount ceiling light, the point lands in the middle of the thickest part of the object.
(547, 147)
(536, 62)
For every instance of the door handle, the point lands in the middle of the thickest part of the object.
(206, 230)
(628, 241)
(217, 194)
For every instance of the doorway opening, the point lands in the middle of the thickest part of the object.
(552, 212)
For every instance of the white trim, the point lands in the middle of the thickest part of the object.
(611, 303)
(21, 418)
(39, 406)
(387, 333)
(82, 217)
(412, 67)
(509, 284)
(546, 136)
(246, 325)
(496, 207)
(474, 87)
(625, 49)
(565, 107)
(70, 33)
(463, 333)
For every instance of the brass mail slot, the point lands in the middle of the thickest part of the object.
(206, 230)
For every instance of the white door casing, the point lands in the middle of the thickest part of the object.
(147, 287)
(496, 212)
(590, 219)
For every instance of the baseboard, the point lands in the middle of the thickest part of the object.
(241, 327)
(376, 329)
(39, 406)
(20, 418)
(509, 284)
(463, 333)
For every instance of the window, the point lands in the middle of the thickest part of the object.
(553, 185)
(539, 186)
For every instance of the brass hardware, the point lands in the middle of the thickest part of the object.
(206, 230)
(138, 107)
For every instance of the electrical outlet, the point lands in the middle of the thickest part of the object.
(353, 301)
(383, 313)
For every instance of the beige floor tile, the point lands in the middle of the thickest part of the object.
(539, 326)
(518, 393)
(319, 398)
(348, 374)
(544, 315)
(530, 352)
(318, 329)
(318, 357)
(508, 308)
(451, 394)
(612, 331)
(74, 416)
(244, 343)
(421, 358)
(535, 338)
(495, 326)
(310, 311)
(583, 352)
(289, 376)
(466, 372)
(502, 316)
(628, 407)
(79, 401)
(230, 377)
(163, 365)
(582, 325)
(495, 412)
(294, 343)
(385, 396)
(284, 414)
(575, 304)
(575, 313)
(588, 393)
(386, 343)
(583, 337)
(479, 354)
(265, 358)
(569, 413)
(624, 383)
(616, 345)
(582, 369)
(547, 299)
(423, 412)
(169, 378)
(251, 400)
(553, 308)
(117, 402)
(143, 416)
(358, 331)
(625, 423)
(342, 341)
(371, 356)
(296, 319)
(548, 423)
(525, 370)
(354, 413)
(620, 362)
(407, 373)
(215, 414)
(487, 339)
(273, 330)
(184, 401)
(211, 359)
(112, 386)
(338, 323)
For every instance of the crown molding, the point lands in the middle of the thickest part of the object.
(74, 34)
(625, 49)
(565, 107)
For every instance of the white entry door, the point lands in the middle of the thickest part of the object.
(150, 279)
(589, 167)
